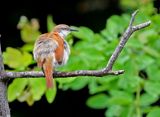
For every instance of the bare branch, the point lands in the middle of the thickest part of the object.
(1, 59)
(140, 26)
(4, 107)
(124, 39)
(132, 18)
(5, 75)
(103, 72)
(36, 74)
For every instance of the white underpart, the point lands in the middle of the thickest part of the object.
(66, 54)
(64, 33)
(45, 48)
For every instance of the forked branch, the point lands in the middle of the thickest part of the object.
(102, 72)
(5, 75)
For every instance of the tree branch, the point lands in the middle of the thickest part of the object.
(103, 72)
(4, 107)
(35, 74)
(124, 39)
(1, 59)
(5, 75)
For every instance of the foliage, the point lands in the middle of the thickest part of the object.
(134, 93)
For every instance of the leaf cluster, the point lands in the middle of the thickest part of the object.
(134, 93)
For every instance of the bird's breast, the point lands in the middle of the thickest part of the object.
(51, 46)
(62, 52)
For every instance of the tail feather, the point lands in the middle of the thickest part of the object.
(40, 63)
(48, 71)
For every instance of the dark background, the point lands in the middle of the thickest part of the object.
(90, 13)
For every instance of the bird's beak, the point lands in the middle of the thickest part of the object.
(73, 29)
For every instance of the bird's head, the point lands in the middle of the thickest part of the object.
(63, 30)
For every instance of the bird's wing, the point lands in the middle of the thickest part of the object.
(44, 47)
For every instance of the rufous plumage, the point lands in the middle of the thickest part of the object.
(52, 50)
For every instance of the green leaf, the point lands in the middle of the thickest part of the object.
(84, 33)
(29, 35)
(154, 113)
(98, 101)
(129, 80)
(128, 111)
(29, 30)
(79, 83)
(50, 23)
(37, 88)
(155, 19)
(92, 85)
(64, 84)
(30, 100)
(17, 59)
(147, 99)
(112, 29)
(114, 111)
(112, 26)
(108, 36)
(128, 4)
(153, 72)
(148, 9)
(120, 98)
(51, 93)
(134, 43)
(16, 88)
(120, 111)
(73, 83)
(27, 47)
(147, 36)
(22, 22)
(152, 88)
(152, 52)
(87, 55)
(144, 61)
(97, 85)
(129, 83)
(24, 96)
(107, 83)
(121, 94)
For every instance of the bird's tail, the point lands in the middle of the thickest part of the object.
(48, 71)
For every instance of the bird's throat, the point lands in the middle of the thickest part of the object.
(63, 34)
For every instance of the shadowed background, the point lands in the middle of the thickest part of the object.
(90, 13)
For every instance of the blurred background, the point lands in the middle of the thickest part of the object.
(92, 14)
(88, 13)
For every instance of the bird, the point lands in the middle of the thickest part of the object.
(52, 50)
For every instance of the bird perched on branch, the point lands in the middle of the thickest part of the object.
(52, 50)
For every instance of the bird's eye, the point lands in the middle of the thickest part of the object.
(65, 28)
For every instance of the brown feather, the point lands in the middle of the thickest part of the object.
(48, 71)
(51, 50)
(60, 49)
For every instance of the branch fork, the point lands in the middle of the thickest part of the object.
(103, 72)
(5, 75)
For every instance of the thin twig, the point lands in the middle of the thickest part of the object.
(140, 26)
(133, 18)
(124, 38)
(5, 75)
(103, 72)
